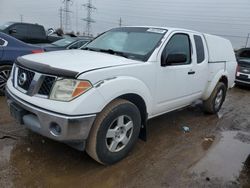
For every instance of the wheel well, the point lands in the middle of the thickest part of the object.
(224, 80)
(140, 103)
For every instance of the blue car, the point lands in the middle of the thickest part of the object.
(10, 49)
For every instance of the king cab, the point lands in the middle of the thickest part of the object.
(100, 98)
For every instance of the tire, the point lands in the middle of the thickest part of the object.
(5, 71)
(213, 104)
(108, 144)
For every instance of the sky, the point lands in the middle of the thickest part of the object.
(228, 18)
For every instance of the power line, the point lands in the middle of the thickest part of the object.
(90, 8)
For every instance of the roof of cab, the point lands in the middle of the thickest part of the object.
(168, 28)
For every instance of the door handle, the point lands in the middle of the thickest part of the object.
(191, 72)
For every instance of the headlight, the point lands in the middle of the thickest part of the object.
(68, 89)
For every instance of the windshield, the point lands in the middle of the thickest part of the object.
(64, 42)
(4, 26)
(132, 42)
(244, 56)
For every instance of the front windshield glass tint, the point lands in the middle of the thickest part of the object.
(136, 43)
(4, 26)
(64, 42)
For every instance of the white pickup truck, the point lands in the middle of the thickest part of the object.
(99, 98)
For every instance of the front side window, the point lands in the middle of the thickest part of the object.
(199, 49)
(132, 42)
(178, 46)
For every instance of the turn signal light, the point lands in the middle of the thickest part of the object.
(81, 88)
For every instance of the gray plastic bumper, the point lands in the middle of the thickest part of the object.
(69, 129)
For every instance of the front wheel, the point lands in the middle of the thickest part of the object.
(115, 132)
(213, 104)
(5, 71)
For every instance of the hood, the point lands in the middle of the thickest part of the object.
(77, 61)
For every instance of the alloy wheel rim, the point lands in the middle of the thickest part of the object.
(218, 99)
(4, 76)
(119, 133)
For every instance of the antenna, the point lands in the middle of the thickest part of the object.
(89, 7)
(67, 19)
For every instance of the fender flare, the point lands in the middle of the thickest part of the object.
(212, 83)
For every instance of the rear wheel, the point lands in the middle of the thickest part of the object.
(115, 132)
(5, 71)
(213, 104)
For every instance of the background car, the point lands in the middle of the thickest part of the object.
(27, 32)
(66, 44)
(10, 49)
(243, 69)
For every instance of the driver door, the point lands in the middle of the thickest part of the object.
(174, 80)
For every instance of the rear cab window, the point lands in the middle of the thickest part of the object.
(36, 31)
(199, 49)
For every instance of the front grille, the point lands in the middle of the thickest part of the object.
(27, 77)
(46, 86)
(33, 83)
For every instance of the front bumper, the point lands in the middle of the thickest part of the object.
(69, 129)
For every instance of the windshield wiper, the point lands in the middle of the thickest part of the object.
(113, 52)
(91, 49)
(109, 51)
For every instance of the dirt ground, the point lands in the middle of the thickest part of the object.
(214, 153)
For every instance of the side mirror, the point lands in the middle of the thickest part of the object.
(174, 59)
(50, 31)
(12, 31)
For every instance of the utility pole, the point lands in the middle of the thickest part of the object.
(66, 10)
(21, 18)
(76, 18)
(247, 39)
(61, 17)
(90, 8)
(120, 22)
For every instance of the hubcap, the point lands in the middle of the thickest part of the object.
(218, 99)
(119, 133)
(4, 76)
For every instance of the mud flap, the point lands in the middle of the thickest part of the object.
(80, 146)
(143, 133)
